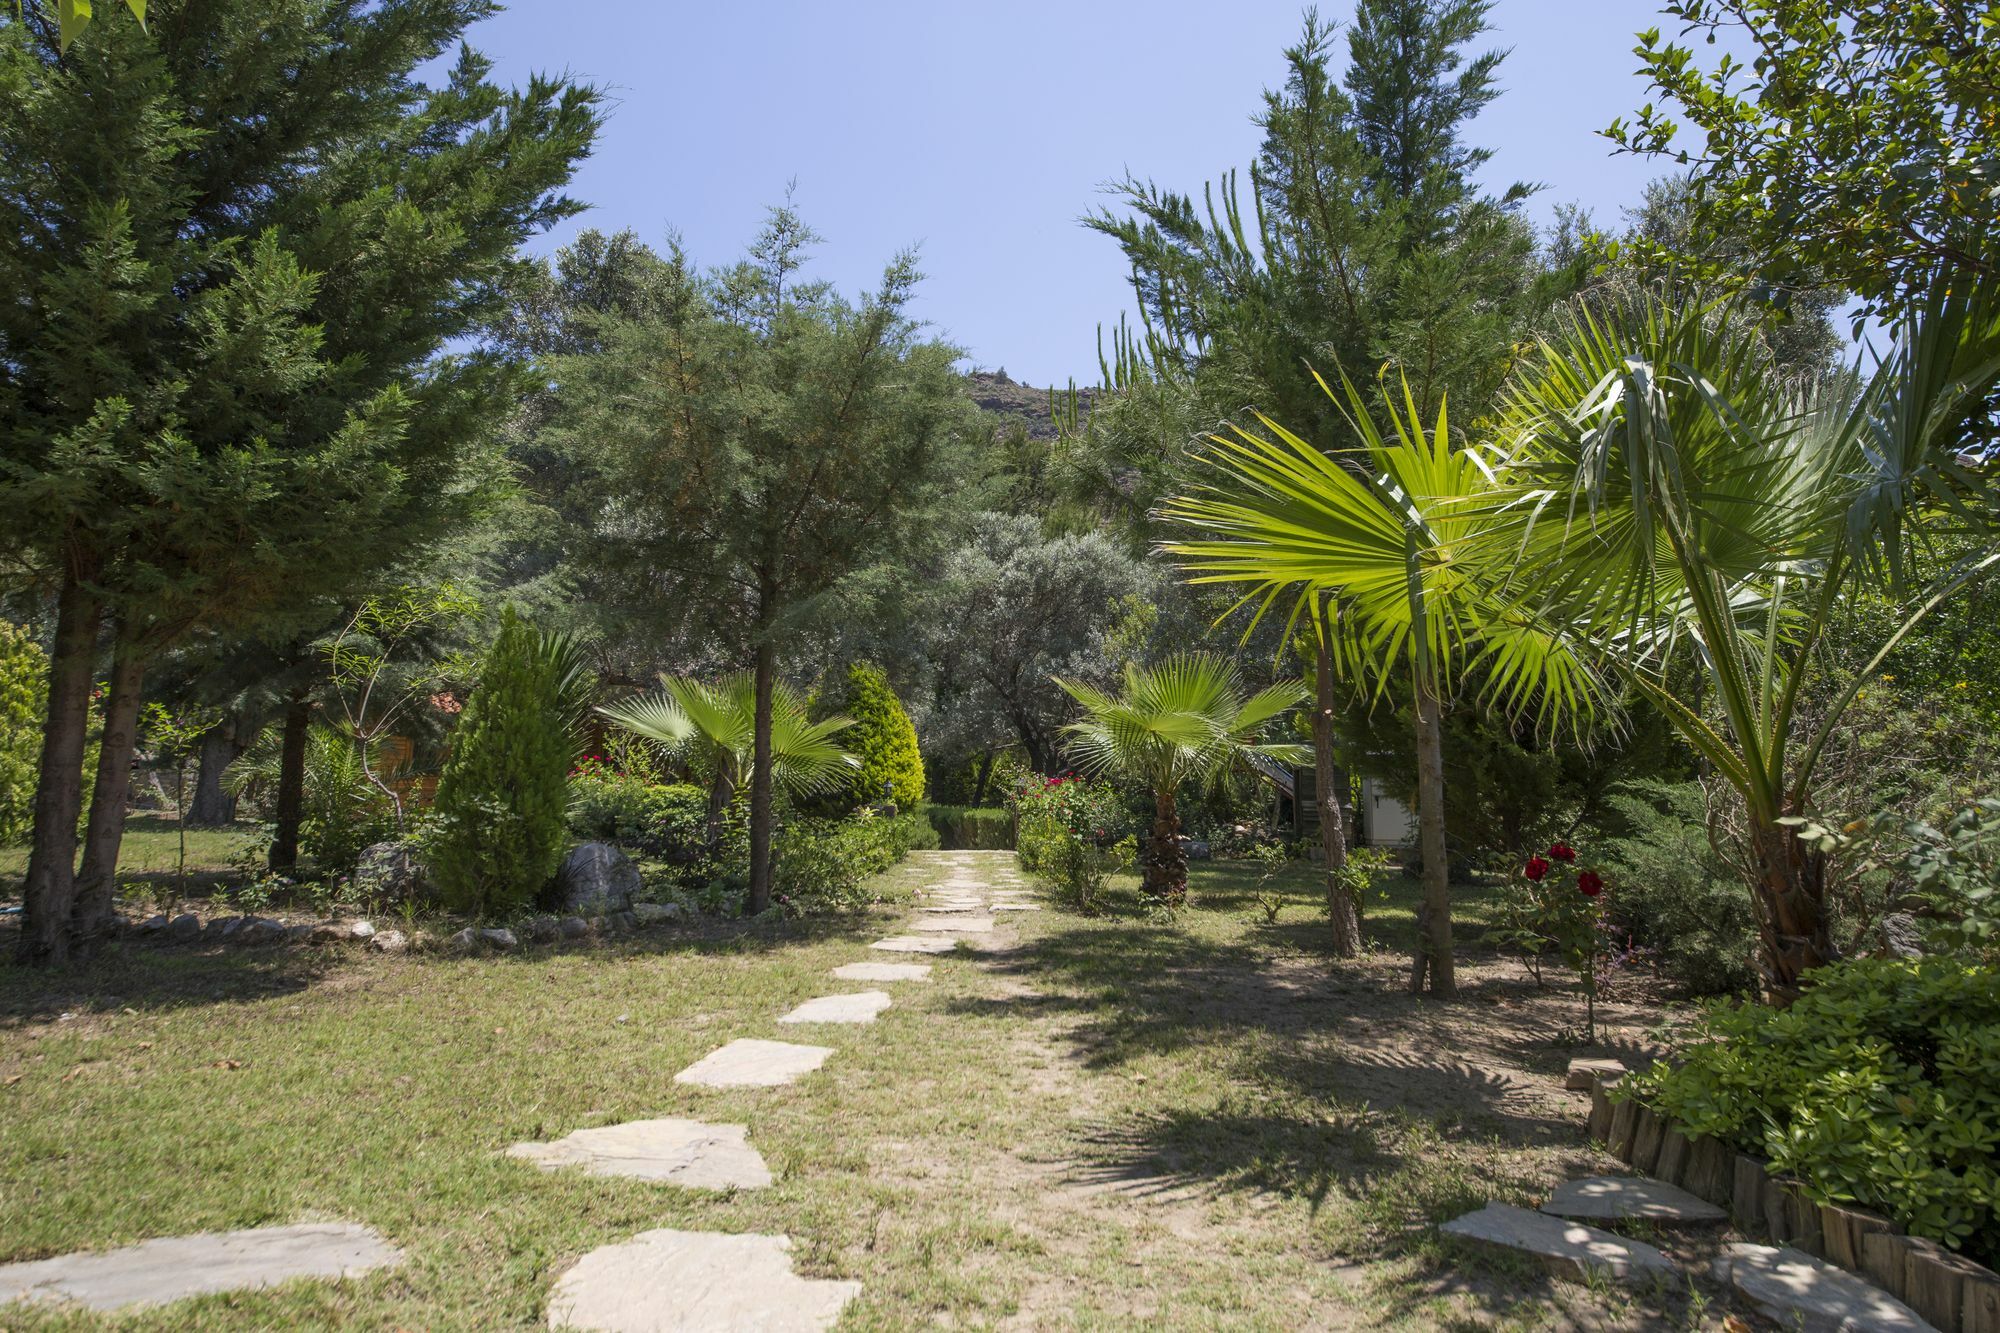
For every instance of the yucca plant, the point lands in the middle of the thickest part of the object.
(1185, 720)
(712, 729)
(1671, 499)
(1385, 533)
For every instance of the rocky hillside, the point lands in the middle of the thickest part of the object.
(995, 392)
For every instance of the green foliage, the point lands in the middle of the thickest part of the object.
(1676, 898)
(344, 812)
(497, 832)
(823, 865)
(1860, 150)
(883, 739)
(669, 821)
(712, 729)
(1879, 1087)
(972, 828)
(1952, 870)
(24, 692)
(1072, 834)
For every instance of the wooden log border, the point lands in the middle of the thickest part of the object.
(1947, 1289)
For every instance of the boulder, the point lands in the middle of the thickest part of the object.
(573, 927)
(389, 872)
(361, 932)
(466, 941)
(654, 914)
(388, 941)
(1899, 936)
(260, 930)
(541, 929)
(499, 939)
(302, 931)
(186, 926)
(597, 878)
(152, 925)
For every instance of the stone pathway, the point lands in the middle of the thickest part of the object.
(883, 972)
(695, 1282)
(676, 1152)
(1622, 1198)
(914, 944)
(156, 1272)
(854, 1007)
(1799, 1292)
(1568, 1249)
(750, 1063)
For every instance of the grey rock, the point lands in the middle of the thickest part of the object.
(573, 927)
(541, 929)
(361, 930)
(695, 1281)
(1800, 1292)
(915, 944)
(596, 878)
(500, 939)
(260, 930)
(1583, 1073)
(750, 1063)
(1899, 936)
(156, 1272)
(621, 921)
(939, 925)
(853, 1007)
(329, 932)
(389, 941)
(465, 941)
(224, 928)
(1623, 1197)
(390, 872)
(883, 972)
(152, 925)
(1569, 1249)
(186, 926)
(655, 914)
(298, 933)
(678, 1152)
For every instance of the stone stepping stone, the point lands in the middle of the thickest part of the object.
(1014, 907)
(883, 972)
(1619, 1198)
(977, 925)
(750, 1063)
(1568, 1249)
(914, 944)
(1800, 1292)
(854, 1007)
(155, 1272)
(678, 1152)
(959, 908)
(695, 1282)
(1584, 1073)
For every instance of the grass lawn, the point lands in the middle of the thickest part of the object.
(1103, 1121)
(152, 847)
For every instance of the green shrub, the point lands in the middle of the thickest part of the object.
(883, 739)
(1070, 835)
(664, 820)
(1879, 1087)
(823, 865)
(343, 813)
(24, 698)
(1675, 897)
(498, 831)
(966, 828)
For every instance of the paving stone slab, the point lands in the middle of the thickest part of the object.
(1569, 1249)
(695, 1282)
(173, 1268)
(959, 909)
(679, 1152)
(975, 925)
(914, 944)
(1014, 907)
(750, 1063)
(1621, 1197)
(1801, 1293)
(883, 972)
(1583, 1073)
(860, 1006)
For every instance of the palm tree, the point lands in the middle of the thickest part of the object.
(1184, 720)
(712, 729)
(1673, 498)
(1385, 532)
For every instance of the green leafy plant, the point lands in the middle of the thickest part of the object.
(972, 828)
(824, 865)
(1953, 870)
(891, 768)
(24, 670)
(1272, 860)
(498, 828)
(1879, 1087)
(1072, 834)
(1677, 899)
(1553, 908)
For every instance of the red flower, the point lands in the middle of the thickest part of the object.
(1590, 884)
(1563, 852)
(1536, 868)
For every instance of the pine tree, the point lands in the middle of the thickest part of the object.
(237, 248)
(502, 799)
(883, 738)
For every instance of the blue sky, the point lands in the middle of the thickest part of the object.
(980, 133)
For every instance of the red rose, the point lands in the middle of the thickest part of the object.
(1563, 852)
(1536, 868)
(1590, 884)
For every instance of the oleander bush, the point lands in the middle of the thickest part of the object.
(1073, 833)
(1879, 1087)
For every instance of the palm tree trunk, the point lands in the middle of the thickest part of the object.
(290, 800)
(50, 887)
(720, 792)
(97, 882)
(1792, 924)
(760, 780)
(1341, 908)
(1433, 953)
(1166, 874)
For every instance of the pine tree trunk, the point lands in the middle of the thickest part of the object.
(291, 797)
(1794, 932)
(213, 806)
(761, 813)
(1433, 954)
(1342, 910)
(1166, 874)
(50, 887)
(97, 881)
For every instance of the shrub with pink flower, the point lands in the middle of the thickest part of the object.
(1070, 833)
(1551, 908)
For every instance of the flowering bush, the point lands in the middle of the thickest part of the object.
(1072, 834)
(1554, 908)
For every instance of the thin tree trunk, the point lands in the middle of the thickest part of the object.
(213, 806)
(50, 887)
(985, 779)
(720, 793)
(760, 780)
(1166, 874)
(1792, 924)
(1433, 955)
(290, 804)
(97, 882)
(1340, 903)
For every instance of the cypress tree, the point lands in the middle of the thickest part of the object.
(883, 738)
(502, 798)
